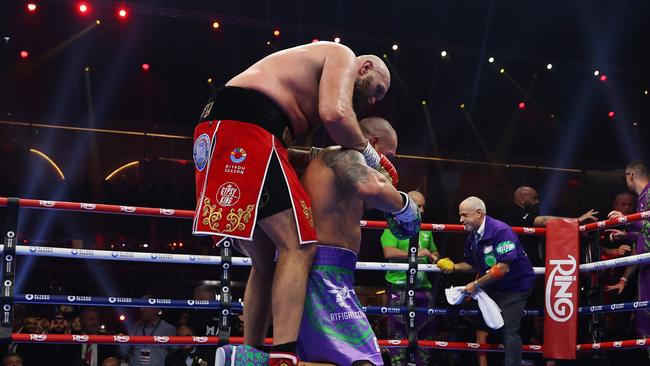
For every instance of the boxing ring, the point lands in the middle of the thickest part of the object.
(11, 251)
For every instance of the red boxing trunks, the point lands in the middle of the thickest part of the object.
(242, 169)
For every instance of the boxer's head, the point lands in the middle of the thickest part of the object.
(372, 83)
(472, 213)
(380, 134)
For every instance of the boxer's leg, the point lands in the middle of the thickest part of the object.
(257, 298)
(291, 272)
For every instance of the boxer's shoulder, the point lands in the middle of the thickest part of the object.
(336, 156)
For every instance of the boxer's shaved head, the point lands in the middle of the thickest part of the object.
(373, 81)
(381, 134)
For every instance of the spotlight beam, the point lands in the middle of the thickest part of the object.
(118, 170)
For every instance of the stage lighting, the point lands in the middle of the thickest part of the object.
(549, 66)
(611, 114)
(596, 73)
(522, 105)
(24, 54)
(395, 47)
(337, 40)
(145, 67)
(122, 318)
(645, 92)
(83, 8)
(502, 70)
(276, 33)
(424, 102)
(122, 13)
(491, 59)
(443, 54)
(31, 7)
(603, 77)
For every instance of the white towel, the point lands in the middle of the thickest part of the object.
(489, 309)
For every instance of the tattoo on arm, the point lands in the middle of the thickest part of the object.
(349, 166)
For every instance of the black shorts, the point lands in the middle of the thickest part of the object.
(252, 106)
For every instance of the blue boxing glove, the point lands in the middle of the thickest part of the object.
(405, 223)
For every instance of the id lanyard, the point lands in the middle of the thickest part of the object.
(145, 352)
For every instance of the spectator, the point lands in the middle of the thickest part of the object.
(12, 360)
(59, 325)
(205, 322)
(397, 251)
(185, 355)
(637, 179)
(87, 354)
(149, 324)
(111, 361)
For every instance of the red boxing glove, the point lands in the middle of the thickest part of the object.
(388, 169)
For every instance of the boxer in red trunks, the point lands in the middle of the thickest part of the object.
(245, 187)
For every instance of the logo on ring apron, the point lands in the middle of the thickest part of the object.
(201, 151)
(228, 194)
(559, 302)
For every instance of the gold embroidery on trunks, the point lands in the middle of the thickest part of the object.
(307, 212)
(211, 215)
(238, 220)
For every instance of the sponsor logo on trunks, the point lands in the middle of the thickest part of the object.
(341, 293)
(46, 203)
(201, 151)
(559, 300)
(80, 338)
(346, 315)
(38, 337)
(228, 194)
(238, 155)
(88, 206)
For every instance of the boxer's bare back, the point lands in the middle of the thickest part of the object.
(312, 82)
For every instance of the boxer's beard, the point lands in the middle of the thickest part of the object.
(359, 97)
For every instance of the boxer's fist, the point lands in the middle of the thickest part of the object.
(445, 264)
(405, 223)
(387, 169)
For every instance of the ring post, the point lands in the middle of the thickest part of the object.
(9, 269)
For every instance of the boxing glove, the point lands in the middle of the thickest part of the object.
(405, 223)
(387, 169)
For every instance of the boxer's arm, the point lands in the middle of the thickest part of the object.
(335, 99)
(367, 184)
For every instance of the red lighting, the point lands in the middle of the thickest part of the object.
(276, 33)
(215, 25)
(145, 67)
(24, 54)
(122, 13)
(522, 105)
(83, 8)
(31, 7)
(611, 114)
(603, 77)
